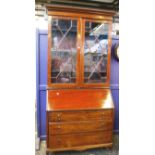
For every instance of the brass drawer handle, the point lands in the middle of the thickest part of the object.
(102, 115)
(59, 127)
(59, 118)
(58, 115)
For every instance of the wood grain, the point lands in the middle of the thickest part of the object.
(79, 11)
(79, 116)
(83, 115)
(78, 127)
(76, 99)
(80, 148)
(80, 139)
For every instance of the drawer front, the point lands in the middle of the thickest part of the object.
(76, 127)
(81, 139)
(80, 115)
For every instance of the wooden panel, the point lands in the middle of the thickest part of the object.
(80, 148)
(77, 127)
(80, 115)
(77, 99)
(82, 12)
(79, 118)
(81, 139)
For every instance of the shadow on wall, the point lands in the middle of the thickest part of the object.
(114, 82)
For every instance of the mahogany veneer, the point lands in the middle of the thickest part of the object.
(81, 139)
(76, 99)
(80, 109)
(79, 119)
(85, 126)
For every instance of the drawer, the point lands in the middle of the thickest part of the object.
(80, 139)
(76, 127)
(80, 115)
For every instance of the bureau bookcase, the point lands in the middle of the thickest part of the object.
(80, 109)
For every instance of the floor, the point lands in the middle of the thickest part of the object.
(102, 151)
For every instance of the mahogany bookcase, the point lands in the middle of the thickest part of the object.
(80, 109)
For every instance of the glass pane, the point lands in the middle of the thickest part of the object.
(64, 51)
(95, 52)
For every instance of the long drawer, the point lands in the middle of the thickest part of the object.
(84, 115)
(80, 139)
(76, 127)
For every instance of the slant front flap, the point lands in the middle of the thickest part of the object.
(70, 99)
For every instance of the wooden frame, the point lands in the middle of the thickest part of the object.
(65, 106)
(79, 11)
(81, 15)
(61, 85)
(84, 148)
(96, 85)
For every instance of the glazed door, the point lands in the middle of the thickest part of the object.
(96, 53)
(78, 52)
(63, 69)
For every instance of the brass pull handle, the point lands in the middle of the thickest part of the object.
(59, 118)
(59, 127)
(103, 114)
(58, 115)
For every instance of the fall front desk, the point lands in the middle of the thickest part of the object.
(80, 109)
